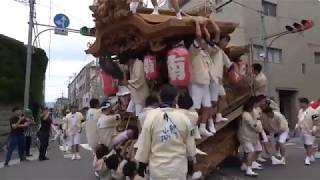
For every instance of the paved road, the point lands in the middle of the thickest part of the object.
(60, 168)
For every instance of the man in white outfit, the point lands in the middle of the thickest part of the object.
(137, 85)
(220, 61)
(308, 119)
(93, 115)
(166, 142)
(218, 94)
(199, 87)
(260, 81)
(276, 124)
(74, 127)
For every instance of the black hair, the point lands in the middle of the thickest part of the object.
(15, 109)
(44, 108)
(260, 97)
(267, 110)
(168, 93)
(151, 100)
(112, 162)
(227, 37)
(304, 100)
(249, 105)
(185, 101)
(257, 67)
(129, 169)
(135, 131)
(74, 106)
(101, 151)
(94, 103)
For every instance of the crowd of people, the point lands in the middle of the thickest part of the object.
(263, 128)
(163, 144)
(23, 129)
(170, 122)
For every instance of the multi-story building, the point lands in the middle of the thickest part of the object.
(85, 85)
(293, 60)
(61, 104)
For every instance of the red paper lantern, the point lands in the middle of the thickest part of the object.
(315, 104)
(238, 73)
(151, 71)
(179, 67)
(110, 85)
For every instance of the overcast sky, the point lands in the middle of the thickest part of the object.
(67, 52)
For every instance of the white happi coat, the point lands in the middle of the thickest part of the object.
(307, 120)
(107, 129)
(91, 127)
(166, 142)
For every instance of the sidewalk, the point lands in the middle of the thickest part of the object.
(59, 167)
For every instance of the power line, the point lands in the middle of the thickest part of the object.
(61, 8)
(259, 11)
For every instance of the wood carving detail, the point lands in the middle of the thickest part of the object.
(124, 40)
(106, 11)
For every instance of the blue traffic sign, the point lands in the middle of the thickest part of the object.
(61, 21)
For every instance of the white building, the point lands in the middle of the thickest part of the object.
(294, 59)
(86, 85)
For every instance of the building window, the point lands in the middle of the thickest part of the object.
(274, 54)
(219, 3)
(303, 68)
(317, 57)
(269, 8)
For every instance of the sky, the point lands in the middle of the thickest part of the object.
(66, 53)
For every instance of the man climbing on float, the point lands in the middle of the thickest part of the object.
(137, 85)
(219, 61)
(199, 87)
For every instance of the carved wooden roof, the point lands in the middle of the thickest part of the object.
(118, 30)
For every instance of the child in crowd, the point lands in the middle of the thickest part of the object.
(257, 114)
(308, 119)
(248, 135)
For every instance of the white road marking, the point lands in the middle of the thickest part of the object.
(86, 147)
(291, 144)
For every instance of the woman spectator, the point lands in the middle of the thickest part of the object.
(30, 131)
(44, 133)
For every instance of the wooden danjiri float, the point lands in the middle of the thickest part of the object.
(120, 33)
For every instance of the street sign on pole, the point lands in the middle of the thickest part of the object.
(61, 21)
(61, 31)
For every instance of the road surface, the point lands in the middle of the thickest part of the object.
(61, 168)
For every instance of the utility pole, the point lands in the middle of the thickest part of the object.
(265, 50)
(29, 56)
